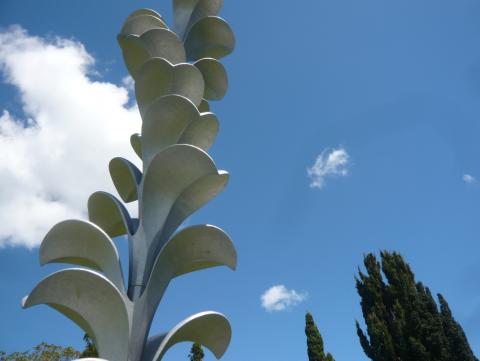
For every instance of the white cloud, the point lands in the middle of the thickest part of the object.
(329, 163)
(467, 178)
(53, 159)
(280, 298)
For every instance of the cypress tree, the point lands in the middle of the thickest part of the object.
(314, 341)
(402, 319)
(196, 352)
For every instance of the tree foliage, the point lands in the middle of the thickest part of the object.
(43, 352)
(402, 318)
(314, 341)
(90, 348)
(196, 352)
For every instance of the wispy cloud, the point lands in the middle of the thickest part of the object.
(467, 178)
(280, 298)
(54, 156)
(329, 163)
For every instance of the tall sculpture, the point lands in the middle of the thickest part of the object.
(175, 74)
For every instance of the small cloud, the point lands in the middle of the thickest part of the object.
(329, 163)
(280, 298)
(129, 83)
(467, 178)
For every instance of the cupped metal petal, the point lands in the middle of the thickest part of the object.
(93, 302)
(210, 329)
(215, 77)
(157, 77)
(110, 214)
(164, 43)
(210, 37)
(192, 249)
(201, 133)
(164, 123)
(85, 244)
(193, 198)
(136, 143)
(169, 175)
(144, 11)
(139, 24)
(187, 12)
(133, 51)
(126, 177)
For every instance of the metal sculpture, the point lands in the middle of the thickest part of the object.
(175, 74)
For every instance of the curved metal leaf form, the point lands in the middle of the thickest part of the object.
(108, 213)
(144, 11)
(126, 177)
(136, 143)
(134, 52)
(169, 174)
(88, 298)
(201, 133)
(187, 12)
(137, 25)
(210, 37)
(84, 244)
(211, 329)
(157, 77)
(192, 249)
(215, 76)
(163, 43)
(164, 123)
(192, 199)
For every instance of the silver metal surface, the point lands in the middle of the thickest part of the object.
(210, 37)
(177, 178)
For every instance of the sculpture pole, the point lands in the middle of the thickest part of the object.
(176, 73)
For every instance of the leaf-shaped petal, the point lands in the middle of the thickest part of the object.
(136, 143)
(215, 77)
(139, 24)
(169, 174)
(157, 77)
(187, 12)
(144, 11)
(211, 329)
(85, 244)
(108, 213)
(126, 177)
(192, 199)
(93, 302)
(164, 43)
(192, 249)
(201, 133)
(164, 123)
(134, 52)
(210, 37)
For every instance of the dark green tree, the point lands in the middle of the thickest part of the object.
(196, 353)
(402, 318)
(314, 341)
(90, 348)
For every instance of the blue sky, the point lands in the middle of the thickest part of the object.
(392, 87)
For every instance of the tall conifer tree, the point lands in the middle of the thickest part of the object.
(402, 318)
(314, 341)
(196, 353)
